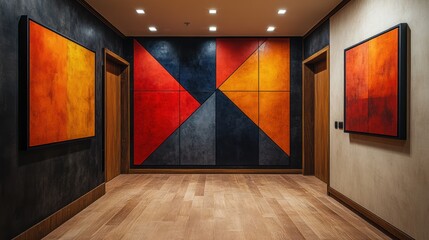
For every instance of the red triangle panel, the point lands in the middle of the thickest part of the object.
(188, 105)
(156, 117)
(149, 74)
(230, 54)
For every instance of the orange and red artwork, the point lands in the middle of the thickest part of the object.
(375, 85)
(61, 88)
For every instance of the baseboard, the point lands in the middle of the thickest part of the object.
(213, 171)
(50, 223)
(375, 220)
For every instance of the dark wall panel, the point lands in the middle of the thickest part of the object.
(34, 184)
(167, 154)
(317, 40)
(270, 154)
(198, 136)
(198, 65)
(237, 137)
(296, 102)
(166, 51)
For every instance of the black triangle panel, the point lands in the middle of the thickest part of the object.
(167, 154)
(237, 136)
(270, 154)
(166, 51)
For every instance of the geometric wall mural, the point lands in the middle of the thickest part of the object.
(214, 102)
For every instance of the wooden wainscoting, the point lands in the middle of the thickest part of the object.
(50, 223)
(375, 220)
(213, 171)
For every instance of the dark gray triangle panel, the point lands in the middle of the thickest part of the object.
(236, 135)
(270, 154)
(198, 136)
(167, 153)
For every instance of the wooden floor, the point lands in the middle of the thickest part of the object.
(218, 206)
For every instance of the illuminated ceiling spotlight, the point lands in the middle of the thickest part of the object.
(281, 12)
(271, 29)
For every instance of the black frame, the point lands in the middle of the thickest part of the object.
(402, 83)
(24, 85)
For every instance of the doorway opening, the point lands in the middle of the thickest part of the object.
(315, 100)
(116, 115)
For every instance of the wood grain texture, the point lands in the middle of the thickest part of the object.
(215, 171)
(307, 120)
(46, 226)
(316, 115)
(113, 120)
(321, 120)
(116, 114)
(226, 206)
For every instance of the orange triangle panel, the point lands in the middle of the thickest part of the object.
(274, 117)
(230, 54)
(245, 78)
(274, 65)
(149, 74)
(188, 105)
(246, 102)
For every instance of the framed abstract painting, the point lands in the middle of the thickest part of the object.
(375, 85)
(58, 76)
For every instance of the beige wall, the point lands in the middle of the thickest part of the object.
(388, 177)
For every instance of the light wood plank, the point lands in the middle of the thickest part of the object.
(216, 206)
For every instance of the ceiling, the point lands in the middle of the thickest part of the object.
(233, 18)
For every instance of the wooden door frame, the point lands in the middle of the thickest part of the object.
(125, 106)
(307, 168)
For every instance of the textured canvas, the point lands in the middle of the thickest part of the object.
(372, 86)
(61, 88)
(224, 102)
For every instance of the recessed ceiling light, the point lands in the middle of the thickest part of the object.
(212, 11)
(140, 11)
(271, 29)
(152, 29)
(281, 11)
(212, 28)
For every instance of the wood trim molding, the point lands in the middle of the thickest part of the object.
(214, 171)
(125, 84)
(375, 220)
(330, 14)
(100, 17)
(50, 223)
(116, 57)
(308, 168)
(317, 55)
